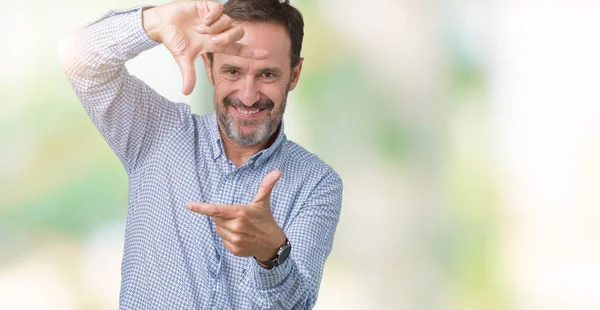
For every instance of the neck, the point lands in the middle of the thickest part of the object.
(239, 154)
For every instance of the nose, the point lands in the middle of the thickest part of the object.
(249, 92)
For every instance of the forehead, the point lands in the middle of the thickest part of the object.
(267, 36)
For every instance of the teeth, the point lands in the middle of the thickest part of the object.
(247, 112)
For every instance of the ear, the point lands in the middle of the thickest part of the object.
(296, 74)
(208, 68)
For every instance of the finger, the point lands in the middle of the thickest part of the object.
(213, 11)
(231, 35)
(231, 224)
(241, 50)
(266, 186)
(188, 73)
(225, 235)
(220, 221)
(213, 210)
(234, 249)
(224, 22)
(224, 42)
(235, 226)
(235, 238)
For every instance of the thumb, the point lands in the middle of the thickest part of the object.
(188, 73)
(266, 186)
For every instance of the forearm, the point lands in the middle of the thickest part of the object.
(95, 54)
(282, 287)
(122, 107)
(295, 283)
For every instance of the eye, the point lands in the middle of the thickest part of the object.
(232, 72)
(269, 75)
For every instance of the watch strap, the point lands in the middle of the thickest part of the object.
(275, 261)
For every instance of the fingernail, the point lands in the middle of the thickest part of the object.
(207, 21)
(216, 40)
(188, 205)
(201, 29)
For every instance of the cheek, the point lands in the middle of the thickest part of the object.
(276, 92)
(224, 88)
(221, 79)
(284, 86)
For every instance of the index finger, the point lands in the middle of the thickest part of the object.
(226, 42)
(213, 11)
(237, 49)
(213, 210)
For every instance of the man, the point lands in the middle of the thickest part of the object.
(224, 211)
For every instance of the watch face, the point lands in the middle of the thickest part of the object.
(285, 252)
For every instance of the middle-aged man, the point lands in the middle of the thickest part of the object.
(224, 211)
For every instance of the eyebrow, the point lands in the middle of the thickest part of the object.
(270, 69)
(227, 67)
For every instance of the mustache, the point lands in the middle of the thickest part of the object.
(260, 104)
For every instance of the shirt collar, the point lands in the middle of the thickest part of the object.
(263, 155)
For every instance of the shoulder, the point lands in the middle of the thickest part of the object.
(203, 121)
(308, 166)
(206, 126)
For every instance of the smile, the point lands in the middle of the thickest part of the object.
(245, 113)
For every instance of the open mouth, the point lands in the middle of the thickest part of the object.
(248, 113)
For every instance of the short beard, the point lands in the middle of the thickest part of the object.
(261, 134)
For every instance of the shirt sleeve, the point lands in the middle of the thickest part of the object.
(295, 283)
(132, 117)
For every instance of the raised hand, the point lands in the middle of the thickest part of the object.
(191, 28)
(247, 230)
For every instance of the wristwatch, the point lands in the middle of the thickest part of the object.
(280, 257)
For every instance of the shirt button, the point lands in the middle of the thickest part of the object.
(230, 176)
(257, 164)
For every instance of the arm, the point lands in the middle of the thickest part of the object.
(250, 230)
(128, 113)
(295, 283)
(131, 116)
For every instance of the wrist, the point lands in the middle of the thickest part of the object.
(271, 251)
(150, 22)
(280, 257)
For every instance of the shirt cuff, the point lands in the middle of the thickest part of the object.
(265, 279)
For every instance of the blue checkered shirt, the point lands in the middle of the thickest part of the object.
(173, 259)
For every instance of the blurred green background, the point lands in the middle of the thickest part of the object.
(467, 134)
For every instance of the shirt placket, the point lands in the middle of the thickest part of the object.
(226, 196)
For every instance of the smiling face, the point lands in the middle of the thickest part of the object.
(250, 95)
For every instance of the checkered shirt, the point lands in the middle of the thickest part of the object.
(173, 259)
